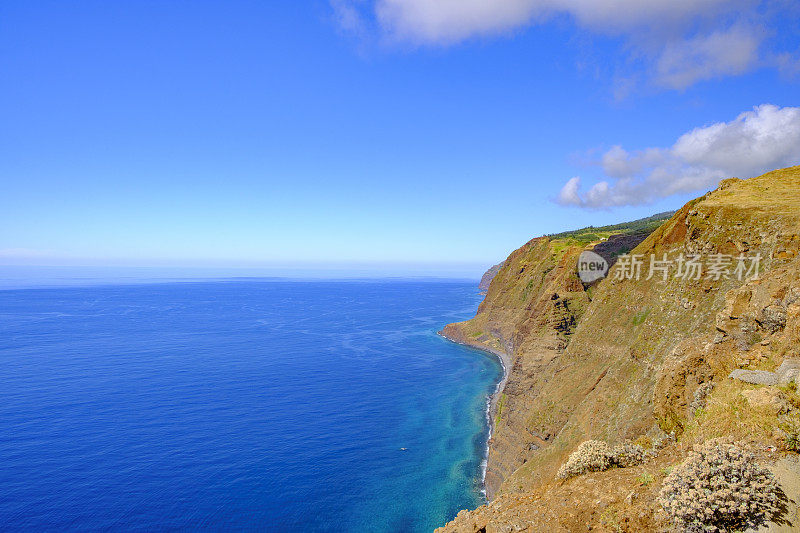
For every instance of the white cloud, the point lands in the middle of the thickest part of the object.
(348, 16)
(569, 192)
(680, 42)
(726, 52)
(788, 64)
(447, 21)
(766, 138)
(622, 15)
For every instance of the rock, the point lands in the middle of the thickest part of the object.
(683, 371)
(767, 397)
(756, 377)
(773, 318)
(788, 371)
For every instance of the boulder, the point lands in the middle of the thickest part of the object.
(788, 371)
(756, 377)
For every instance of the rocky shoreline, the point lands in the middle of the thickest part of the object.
(505, 362)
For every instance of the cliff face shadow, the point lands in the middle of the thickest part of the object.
(617, 245)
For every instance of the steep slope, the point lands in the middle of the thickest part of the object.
(530, 312)
(625, 360)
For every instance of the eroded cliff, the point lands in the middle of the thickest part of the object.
(635, 359)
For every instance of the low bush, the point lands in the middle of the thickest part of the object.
(645, 478)
(626, 455)
(720, 487)
(591, 456)
(791, 436)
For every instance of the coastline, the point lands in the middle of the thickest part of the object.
(493, 399)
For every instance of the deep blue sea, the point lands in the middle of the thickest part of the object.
(239, 405)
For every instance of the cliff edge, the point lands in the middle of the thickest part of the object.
(631, 359)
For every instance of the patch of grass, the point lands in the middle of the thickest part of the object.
(728, 413)
(559, 246)
(790, 392)
(650, 223)
(645, 479)
(671, 424)
(792, 440)
(640, 317)
(527, 290)
(542, 419)
(609, 519)
(500, 405)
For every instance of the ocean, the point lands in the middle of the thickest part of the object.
(240, 405)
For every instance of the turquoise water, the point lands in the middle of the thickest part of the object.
(240, 405)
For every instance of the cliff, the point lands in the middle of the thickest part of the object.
(634, 360)
(488, 276)
(528, 317)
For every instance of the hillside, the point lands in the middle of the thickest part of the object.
(591, 234)
(635, 360)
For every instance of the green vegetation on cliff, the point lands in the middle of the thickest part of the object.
(593, 234)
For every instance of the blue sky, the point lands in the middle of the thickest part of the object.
(264, 133)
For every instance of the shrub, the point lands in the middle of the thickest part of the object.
(663, 442)
(791, 436)
(591, 456)
(644, 441)
(699, 399)
(792, 442)
(626, 455)
(645, 478)
(719, 487)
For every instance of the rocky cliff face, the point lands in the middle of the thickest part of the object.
(631, 359)
(529, 315)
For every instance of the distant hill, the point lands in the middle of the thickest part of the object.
(592, 233)
(610, 241)
(488, 276)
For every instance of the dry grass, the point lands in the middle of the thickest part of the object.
(775, 191)
(728, 414)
